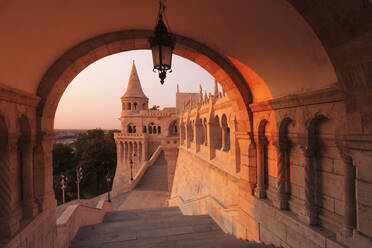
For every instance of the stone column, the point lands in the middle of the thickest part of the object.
(144, 150)
(126, 152)
(10, 210)
(29, 206)
(187, 135)
(311, 206)
(261, 190)
(211, 141)
(48, 198)
(197, 136)
(283, 160)
(224, 137)
(252, 157)
(118, 153)
(349, 196)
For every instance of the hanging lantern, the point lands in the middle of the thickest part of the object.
(162, 46)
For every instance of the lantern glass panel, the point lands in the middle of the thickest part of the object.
(166, 54)
(155, 55)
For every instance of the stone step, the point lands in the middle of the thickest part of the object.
(135, 214)
(156, 227)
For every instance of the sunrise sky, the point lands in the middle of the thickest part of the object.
(92, 100)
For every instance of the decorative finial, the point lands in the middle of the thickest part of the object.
(178, 88)
(215, 90)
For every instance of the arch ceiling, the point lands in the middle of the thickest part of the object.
(270, 37)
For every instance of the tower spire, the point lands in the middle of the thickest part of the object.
(134, 88)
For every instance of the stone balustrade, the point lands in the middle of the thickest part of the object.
(76, 216)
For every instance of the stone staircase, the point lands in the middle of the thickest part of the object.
(156, 227)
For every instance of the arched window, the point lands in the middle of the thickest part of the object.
(129, 106)
(199, 132)
(225, 134)
(205, 126)
(144, 129)
(190, 130)
(183, 132)
(159, 129)
(130, 128)
(172, 130)
(150, 130)
(134, 129)
(263, 172)
(217, 133)
(135, 105)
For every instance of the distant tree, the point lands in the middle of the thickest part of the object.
(63, 158)
(155, 107)
(64, 163)
(96, 153)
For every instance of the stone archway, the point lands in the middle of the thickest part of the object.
(70, 64)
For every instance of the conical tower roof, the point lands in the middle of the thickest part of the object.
(134, 88)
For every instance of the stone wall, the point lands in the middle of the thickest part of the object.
(292, 181)
(27, 200)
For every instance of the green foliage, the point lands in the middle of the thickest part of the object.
(155, 107)
(93, 151)
(63, 158)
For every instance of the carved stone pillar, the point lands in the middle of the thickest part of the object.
(29, 206)
(252, 156)
(119, 150)
(211, 140)
(10, 210)
(197, 135)
(187, 133)
(283, 174)
(144, 150)
(349, 196)
(224, 137)
(311, 188)
(44, 166)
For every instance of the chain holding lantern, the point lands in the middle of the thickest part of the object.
(162, 45)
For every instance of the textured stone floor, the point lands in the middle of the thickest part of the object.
(156, 227)
(151, 191)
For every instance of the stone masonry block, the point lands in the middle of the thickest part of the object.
(298, 175)
(365, 193)
(326, 164)
(365, 219)
(267, 237)
(332, 185)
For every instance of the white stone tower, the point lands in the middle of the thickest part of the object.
(133, 101)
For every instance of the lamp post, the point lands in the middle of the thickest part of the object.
(162, 46)
(64, 180)
(131, 167)
(79, 176)
(108, 180)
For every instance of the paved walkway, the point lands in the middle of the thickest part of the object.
(151, 191)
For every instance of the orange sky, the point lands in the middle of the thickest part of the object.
(92, 100)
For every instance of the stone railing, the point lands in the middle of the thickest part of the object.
(123, 135)
(76, 216)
